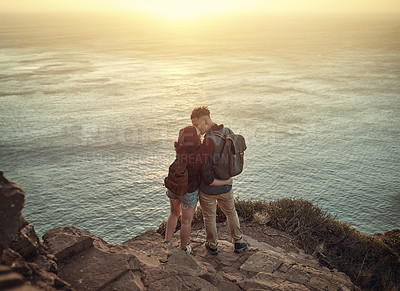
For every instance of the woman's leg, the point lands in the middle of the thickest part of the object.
(186, 224)
(172, 218)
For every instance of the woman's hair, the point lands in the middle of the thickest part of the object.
(188, 145)
(200, 111)
(189, 137)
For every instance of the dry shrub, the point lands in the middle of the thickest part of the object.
(392, 239)
(368, 261)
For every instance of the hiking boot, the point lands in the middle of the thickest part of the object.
(240, 247)
(211, 250)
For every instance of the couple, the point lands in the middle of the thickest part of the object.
(208, 188)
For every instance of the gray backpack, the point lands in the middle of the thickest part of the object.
(228, 159)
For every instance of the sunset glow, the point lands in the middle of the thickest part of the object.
(181, 9)
(195, 9)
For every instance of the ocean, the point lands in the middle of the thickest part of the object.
(90, 109)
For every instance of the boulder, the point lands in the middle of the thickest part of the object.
(25, 264)
(10, 279)
(12, 198)
(66, 242)
(89, 263)
(26, 242)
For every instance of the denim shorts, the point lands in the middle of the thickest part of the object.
(189, 199)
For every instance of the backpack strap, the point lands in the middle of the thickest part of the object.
(217, 133)
(220, 133)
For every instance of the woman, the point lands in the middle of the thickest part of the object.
(188, 148)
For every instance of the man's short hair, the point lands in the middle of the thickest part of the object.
(199, 112)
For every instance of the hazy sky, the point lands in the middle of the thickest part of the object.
(187, 9)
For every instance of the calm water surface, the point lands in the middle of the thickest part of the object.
(89, 114)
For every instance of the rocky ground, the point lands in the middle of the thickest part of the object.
(72, 259)
(272, 262)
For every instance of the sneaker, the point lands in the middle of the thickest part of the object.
(211, 250)
(240, 247)
(188, 249)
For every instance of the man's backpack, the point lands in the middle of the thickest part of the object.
(177, 179)
(229, 161)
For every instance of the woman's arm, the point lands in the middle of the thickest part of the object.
(218, 182)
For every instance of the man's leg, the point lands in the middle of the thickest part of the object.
(227, 205)
(209, 209)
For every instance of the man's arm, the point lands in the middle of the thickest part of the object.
(209, 177)
(207, 172)
(218, 182)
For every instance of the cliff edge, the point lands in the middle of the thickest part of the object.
(72, 259)
(146, 263)
(25, 264)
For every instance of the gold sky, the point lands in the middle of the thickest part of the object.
(191, 9)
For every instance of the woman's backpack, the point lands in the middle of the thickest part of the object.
(177, 179)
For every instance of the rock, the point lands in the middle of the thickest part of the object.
(89, 263)
(38, 271)
(178, 283)
(182, 272)
(95, 269)
(26, 265)
(266, 281)
(10, 280)
(12, 198)
(26, 242)
(67, 241)
(272, 266)
(129, 281)
(261, 218)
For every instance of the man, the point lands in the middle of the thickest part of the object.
(210, 195)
